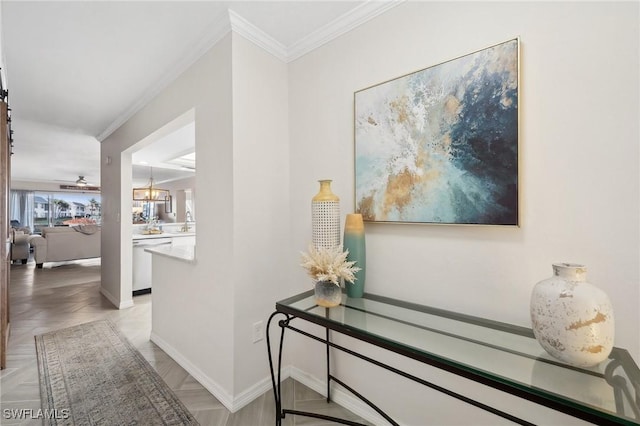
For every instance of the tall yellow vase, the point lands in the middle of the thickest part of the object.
(325, 217)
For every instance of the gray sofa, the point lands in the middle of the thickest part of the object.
(59, 244)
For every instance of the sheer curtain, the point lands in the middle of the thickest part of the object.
(22, 206)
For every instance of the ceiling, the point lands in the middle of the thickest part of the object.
(77, 70)
(169, 158)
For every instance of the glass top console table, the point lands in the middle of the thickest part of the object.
(499, 355)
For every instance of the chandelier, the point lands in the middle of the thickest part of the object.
(150, 192)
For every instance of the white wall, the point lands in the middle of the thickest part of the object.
(203, 313)
(206, 86)
(580, 180)
(262, 261)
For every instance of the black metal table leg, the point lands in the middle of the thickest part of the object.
(277, 384)
(328, 362)
(276, 378)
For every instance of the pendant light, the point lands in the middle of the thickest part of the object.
(150, 192)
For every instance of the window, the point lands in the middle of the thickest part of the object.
(54, 208)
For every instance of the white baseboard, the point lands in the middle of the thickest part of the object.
(230, 402)
(216, 390)
(252, 393)
(124, 304)
(338, 395)
(233, 404)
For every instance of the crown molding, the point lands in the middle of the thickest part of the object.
(232, 21)
(214, 33)
(257, 36)
(339, 26)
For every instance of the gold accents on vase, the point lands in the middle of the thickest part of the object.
(325, 217)
(571, 318)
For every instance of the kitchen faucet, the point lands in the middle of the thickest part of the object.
(187, 219)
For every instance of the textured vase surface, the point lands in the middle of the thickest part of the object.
(325, 217)
(571, 318)
(327, 294)
(354, 241)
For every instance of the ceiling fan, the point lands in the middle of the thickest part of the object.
(80, 184)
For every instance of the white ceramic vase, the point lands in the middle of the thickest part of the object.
(571, 318)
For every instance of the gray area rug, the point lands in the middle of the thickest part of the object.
(91, 375)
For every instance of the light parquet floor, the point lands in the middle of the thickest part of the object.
(66, 294)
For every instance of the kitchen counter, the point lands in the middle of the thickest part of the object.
(184, 253)
(163, 235)
(171, 243)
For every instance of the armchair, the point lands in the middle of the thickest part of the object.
(20, 246)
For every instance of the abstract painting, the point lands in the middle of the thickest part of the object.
(440, 145)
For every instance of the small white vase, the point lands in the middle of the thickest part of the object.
(571, 318)
(328, 294)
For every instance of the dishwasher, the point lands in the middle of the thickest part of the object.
(141, 261)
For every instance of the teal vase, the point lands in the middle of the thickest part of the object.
(354, 242)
